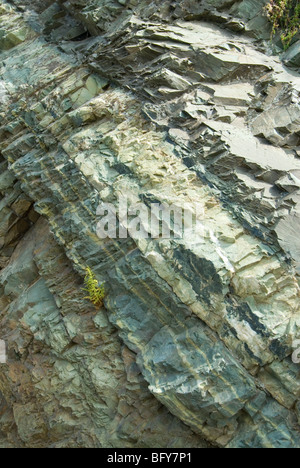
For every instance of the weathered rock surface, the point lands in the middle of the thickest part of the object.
(172, 102)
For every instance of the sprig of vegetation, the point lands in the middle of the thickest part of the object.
(285, 17)
(96, 292)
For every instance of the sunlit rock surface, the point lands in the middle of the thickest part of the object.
(169, 102)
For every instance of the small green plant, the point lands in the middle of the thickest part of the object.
(285, 17)
(96, 292)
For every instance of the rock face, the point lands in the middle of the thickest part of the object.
(162, 102)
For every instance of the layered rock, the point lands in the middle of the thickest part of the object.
(70, 381)
(197, 332)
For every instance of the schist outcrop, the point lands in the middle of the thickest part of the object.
(170, 102)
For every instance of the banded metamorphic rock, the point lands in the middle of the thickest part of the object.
(176, 102)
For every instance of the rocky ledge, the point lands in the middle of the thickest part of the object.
(178, 103)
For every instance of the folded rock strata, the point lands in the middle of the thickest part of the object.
(173, 103)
